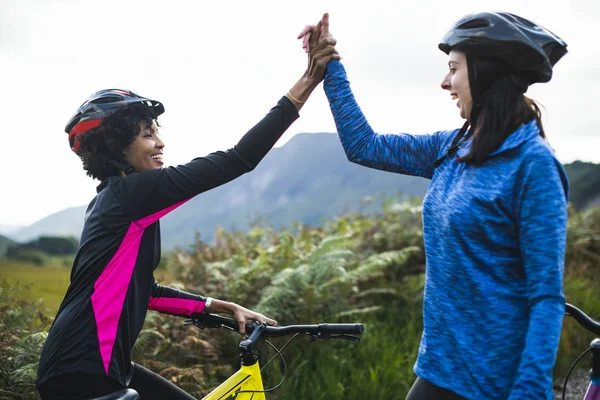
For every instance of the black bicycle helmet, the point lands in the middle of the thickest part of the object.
(527, 48)
(100, 105)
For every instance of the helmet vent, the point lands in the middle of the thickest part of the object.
(103, 100)
(475, 24)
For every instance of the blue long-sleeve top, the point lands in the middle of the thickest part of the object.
(495, 238)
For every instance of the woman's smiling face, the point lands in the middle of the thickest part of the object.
(457, 82)
(146, 151)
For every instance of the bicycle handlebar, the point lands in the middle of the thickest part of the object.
(583, 320)
(217, 321)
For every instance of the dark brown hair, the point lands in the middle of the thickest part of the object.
(498, 109)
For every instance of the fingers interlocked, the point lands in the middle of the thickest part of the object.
(320, 46)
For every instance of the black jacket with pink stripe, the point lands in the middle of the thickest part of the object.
(112, 280)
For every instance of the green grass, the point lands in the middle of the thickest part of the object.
(380, 367)
(48, 282)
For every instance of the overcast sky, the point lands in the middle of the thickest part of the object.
(219, 66)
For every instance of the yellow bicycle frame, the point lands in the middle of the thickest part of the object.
(247, 378)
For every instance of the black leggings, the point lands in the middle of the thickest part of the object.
(149, 385)
(425, 390)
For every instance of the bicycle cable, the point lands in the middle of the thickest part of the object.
(571, 370)
(268, 362)
(284, 346)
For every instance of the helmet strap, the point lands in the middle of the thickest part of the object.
(464, 134)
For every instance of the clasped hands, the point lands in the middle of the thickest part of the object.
(319, 44)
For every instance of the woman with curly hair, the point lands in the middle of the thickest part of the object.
(115, 133)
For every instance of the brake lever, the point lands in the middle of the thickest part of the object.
(202, 325)
(195, 322)
(349, 338)
(314, 338)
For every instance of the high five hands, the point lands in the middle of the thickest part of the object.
(320, 46)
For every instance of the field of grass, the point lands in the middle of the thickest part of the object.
(353, 268)
(48, 282)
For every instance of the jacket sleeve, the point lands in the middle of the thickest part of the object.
(542, 223)
(175, 302)
(147, 196)
(402, 153)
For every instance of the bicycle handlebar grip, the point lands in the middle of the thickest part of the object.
(582, 318)
(343, 329)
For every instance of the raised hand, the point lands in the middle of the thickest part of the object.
(321, 47)
(305, 36)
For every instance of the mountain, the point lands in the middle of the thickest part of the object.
(65, 223)
(307, 179)
(5, 243)
(584, 178)
(8, 229)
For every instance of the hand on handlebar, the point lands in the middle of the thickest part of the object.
(243, 315)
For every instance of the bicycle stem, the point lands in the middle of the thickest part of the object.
(247, 346)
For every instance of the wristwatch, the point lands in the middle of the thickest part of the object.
(208, 303)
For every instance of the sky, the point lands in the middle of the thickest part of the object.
(219, 66)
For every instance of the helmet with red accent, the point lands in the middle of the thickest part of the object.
(99, 106)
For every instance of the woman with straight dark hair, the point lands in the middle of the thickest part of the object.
(494, 216)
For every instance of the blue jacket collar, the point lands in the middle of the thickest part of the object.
(523, 134)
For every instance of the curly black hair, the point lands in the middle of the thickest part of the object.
(104, 145)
